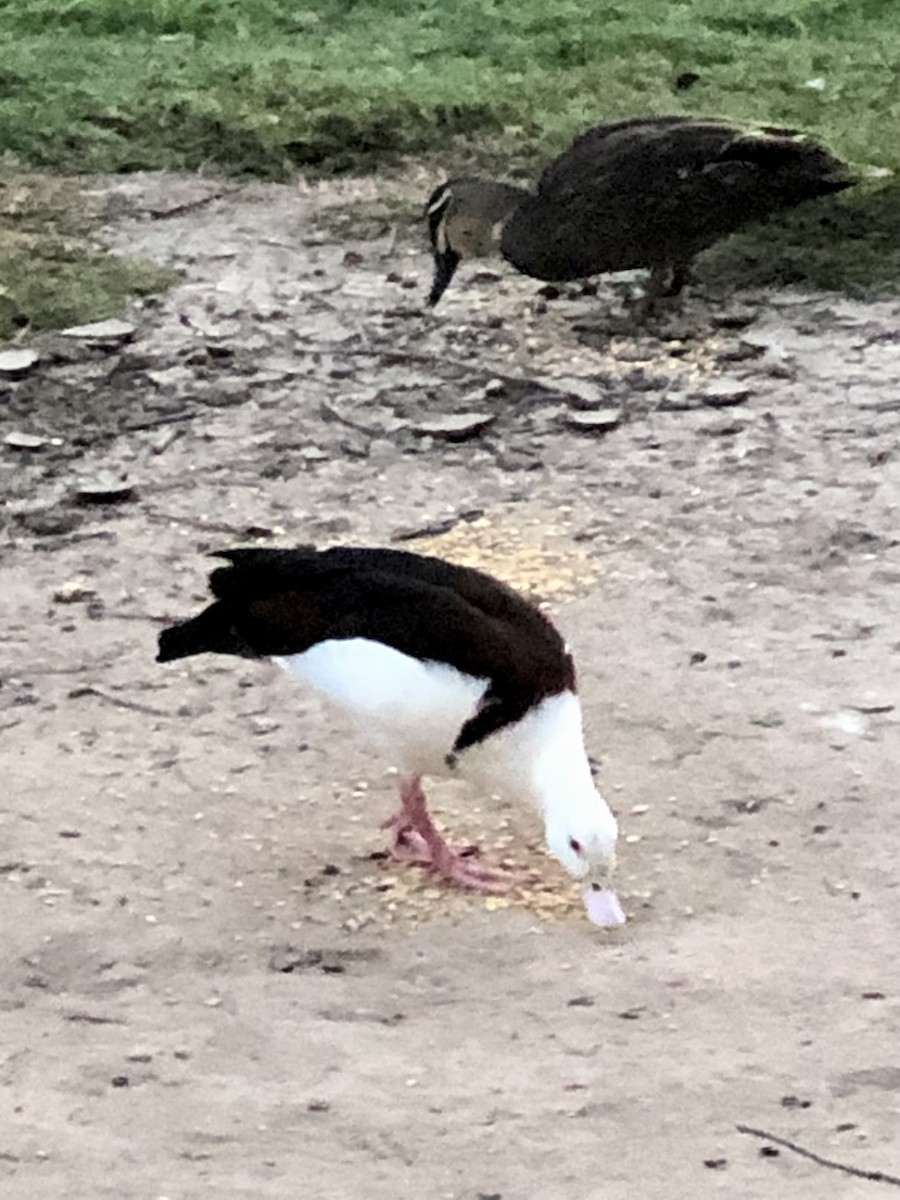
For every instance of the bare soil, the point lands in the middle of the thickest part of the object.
(212, 984)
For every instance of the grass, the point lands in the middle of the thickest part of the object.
(57, 284)
(51, 275)
(266, 87)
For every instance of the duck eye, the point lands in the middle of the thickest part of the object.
(576, 846)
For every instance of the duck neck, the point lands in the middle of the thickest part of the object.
(562, 774)
(581, 830)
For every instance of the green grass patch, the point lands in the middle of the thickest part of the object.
(50, 274)
(264, 87)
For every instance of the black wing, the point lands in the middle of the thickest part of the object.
(657, 190)
(281, 602)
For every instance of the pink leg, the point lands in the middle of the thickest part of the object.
(408, 844)
(417, 839)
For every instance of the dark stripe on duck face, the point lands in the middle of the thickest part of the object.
(281, 603)
(437, 205)
(446, 259)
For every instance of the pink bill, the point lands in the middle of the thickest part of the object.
(603, 907)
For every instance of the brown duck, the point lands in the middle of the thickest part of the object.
(647, 192)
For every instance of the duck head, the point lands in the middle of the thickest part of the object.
(465, 220)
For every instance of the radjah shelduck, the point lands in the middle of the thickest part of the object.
(449, 670)
(647, 192)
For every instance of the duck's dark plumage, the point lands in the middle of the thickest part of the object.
(435, 660)
(282, 602)
(656, 191)
(648, 192)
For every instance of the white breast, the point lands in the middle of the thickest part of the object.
(414, 708)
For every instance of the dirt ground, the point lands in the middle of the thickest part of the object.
(213, 984)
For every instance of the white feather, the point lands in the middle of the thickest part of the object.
(415, 710)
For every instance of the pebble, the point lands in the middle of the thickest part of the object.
(455, 427)
(848, 722)
(73, 591)
(600, 420)
(170, 377)
(582, 392)
(103, 490)
(738, 318)
(264, 725)
(722, 393)
(24, 441)
(113, 330)
(16, 364)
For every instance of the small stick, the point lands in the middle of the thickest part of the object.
(858, 1172)
(119, 701)
(155, 422)
(179, 210)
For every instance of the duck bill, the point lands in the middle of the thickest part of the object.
(602, 906)
(445, 264)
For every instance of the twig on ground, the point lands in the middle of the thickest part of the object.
(119, 701)
(242, 531)
(155, 422)
(857, 1172)
(179, 210)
